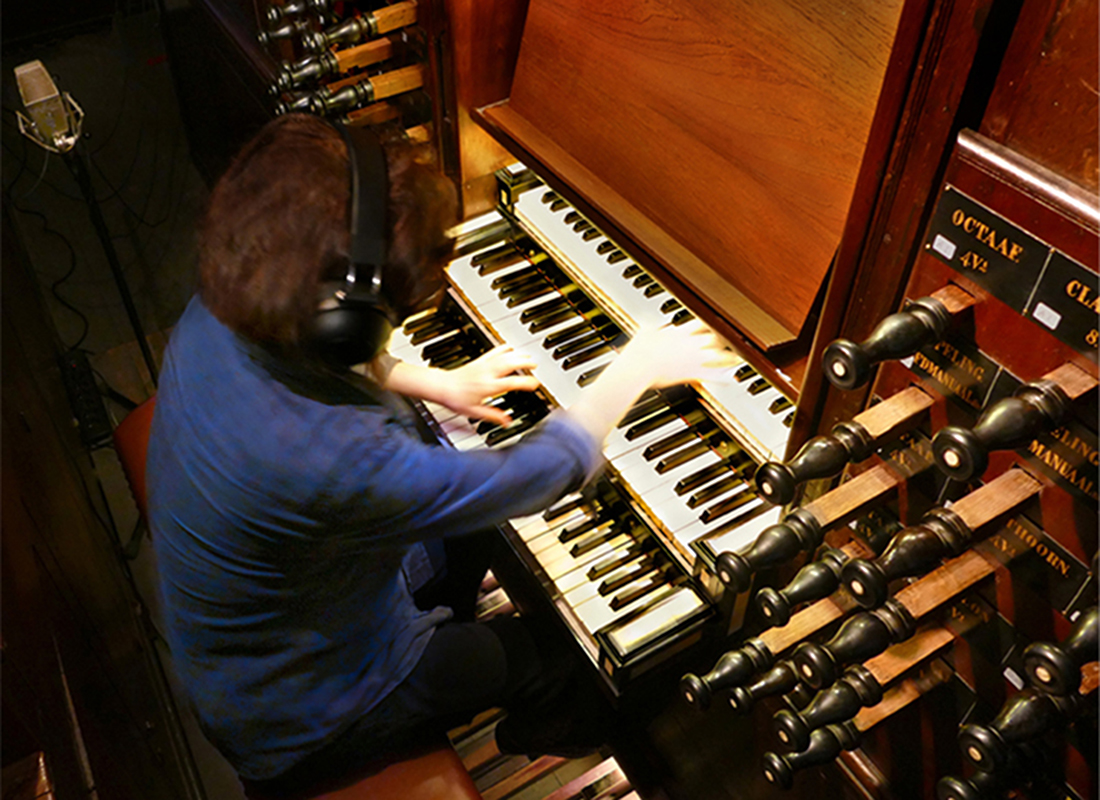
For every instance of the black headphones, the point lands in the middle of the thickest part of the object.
(354, 322)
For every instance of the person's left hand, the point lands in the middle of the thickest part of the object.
(467, 389)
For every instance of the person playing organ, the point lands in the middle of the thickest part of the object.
(318, 558)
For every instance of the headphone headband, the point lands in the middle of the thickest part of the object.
(359, 326)
(368, 198)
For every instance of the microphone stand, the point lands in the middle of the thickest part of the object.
(77, 166)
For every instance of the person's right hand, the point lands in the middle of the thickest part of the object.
(679, 354)
(653, 358)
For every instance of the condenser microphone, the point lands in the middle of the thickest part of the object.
(55, 119)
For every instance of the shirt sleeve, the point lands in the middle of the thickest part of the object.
(401, 490)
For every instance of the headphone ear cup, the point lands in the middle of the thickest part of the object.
(351, 333)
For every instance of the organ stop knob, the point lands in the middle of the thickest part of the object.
(1057, 668)
(1010, 423)
(848, 365)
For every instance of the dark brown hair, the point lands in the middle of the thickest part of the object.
(276, 228)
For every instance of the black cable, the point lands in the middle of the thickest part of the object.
(68, 274)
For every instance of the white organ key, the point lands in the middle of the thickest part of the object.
(607, 278)
(675, 607)
(596, 612)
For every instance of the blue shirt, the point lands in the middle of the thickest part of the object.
(285, 515)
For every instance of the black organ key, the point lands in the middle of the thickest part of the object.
(654, 422)
(789, 419)
(644, 280)
(561, 509)
(570, 297)
(758, 386)
(715, 490)
(632, 271)
(622, 600)
(670, 305)
(526, 294)
(728, 506)
(632, 552)
(551, 318)
(616, 256)
(713, 441)
(611, 585)
(594, 540)
(428, 332)
(590, 234)
(582, 225)
(682, 316)
(519, 426)
(572, 217)
(585, 378)
(780, 405)
(550, 196)
(712, 472)
(492, 267)
(654, 289)
(556, 338)
(517, 277)
(609, 331)
(569, 534)
(744, 372)
(649, 403)
(494, 253)
(678, 439)
(444, 347)
(578, 359)
(603, 248)
(558, 205)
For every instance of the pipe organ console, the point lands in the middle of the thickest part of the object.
(865, 549)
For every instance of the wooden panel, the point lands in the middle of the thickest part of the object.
(1045, 104)
(485, 40)
(736, 128)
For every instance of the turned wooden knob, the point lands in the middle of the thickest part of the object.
(777, 543)
(848, 365)
(856, 689)
(1024, 717)
(307, 70)
(1057, 668)
(732, 669)
(821, 457)
(864, 635)
(780, 679)
(963, 454)
(814, 581)
(913, 551)
(825, 745)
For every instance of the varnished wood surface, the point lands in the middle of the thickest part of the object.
(866, 488)
(398, 15)
(807, 622)
(1045, 104)
(736, 130)
(895, 412)
(904, 655)
(1075, 382)
(900, 695)
(954, 298)
(485, 36)
(360, 56)
(997, 497)
(398, 81)
(943, 583)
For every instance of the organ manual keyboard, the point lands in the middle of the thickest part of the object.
(620, 562)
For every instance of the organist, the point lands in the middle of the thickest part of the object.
(299, 517)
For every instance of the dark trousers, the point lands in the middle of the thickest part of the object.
(466, 668)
